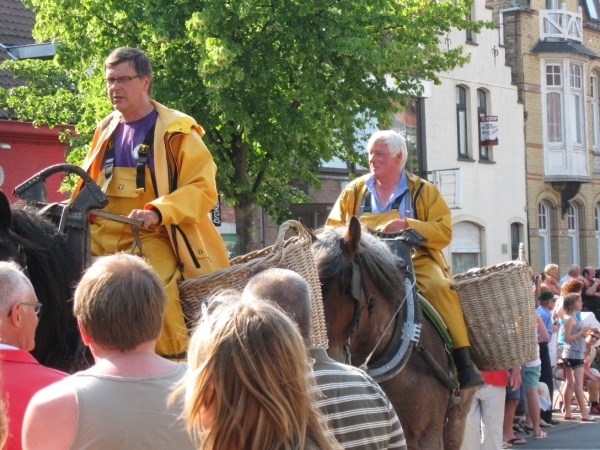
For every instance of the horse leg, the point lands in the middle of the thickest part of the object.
(419, 398)
(457, 419)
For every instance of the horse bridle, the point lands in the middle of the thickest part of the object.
(357, 286)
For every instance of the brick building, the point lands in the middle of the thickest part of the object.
(24, 149)
(552, 49)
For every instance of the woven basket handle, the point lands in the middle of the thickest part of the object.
(521, 257)
(302, 233)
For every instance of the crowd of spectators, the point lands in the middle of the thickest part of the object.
(567, 333)
(236, 392)
(252, 381)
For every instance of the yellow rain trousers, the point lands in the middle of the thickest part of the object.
(433, 220)
(186, 187)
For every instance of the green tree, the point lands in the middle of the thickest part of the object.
(277, 85)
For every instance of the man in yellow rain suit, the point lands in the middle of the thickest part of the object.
(390, 199)
(151, 162)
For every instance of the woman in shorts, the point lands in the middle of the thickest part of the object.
(573, 356)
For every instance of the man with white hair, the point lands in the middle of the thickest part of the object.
(573, 272)
(21, 376)
(391, 199)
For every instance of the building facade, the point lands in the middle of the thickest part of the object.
(485, 183)
(553, 50)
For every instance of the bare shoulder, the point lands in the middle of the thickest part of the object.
(569, 319)
(51, 418)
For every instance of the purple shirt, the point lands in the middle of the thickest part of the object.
(128, 136)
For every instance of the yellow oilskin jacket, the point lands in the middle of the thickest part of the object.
(433, 220)
(185, 183)
(432, 217)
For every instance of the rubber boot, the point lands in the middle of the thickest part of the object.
(468, 377)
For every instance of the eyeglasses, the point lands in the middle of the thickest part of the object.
(121, 80)
(593, 336)
(37, 307)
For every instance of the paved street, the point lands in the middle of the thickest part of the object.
(571, 435)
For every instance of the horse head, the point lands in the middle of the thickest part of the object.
(362, 286)
(36, 245)
(12, 247)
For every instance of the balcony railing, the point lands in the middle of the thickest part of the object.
(560, 24)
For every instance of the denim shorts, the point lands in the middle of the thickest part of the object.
(573, 363)
(515, 395)
(531, 376)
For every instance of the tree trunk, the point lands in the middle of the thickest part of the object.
(244, 225)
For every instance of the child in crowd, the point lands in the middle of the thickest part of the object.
(573, 355)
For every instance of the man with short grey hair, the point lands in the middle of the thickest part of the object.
(573, 272)
(21, 376)
(390, 199)
(358, 411)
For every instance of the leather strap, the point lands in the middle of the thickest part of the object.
(140, 177)
(367, 202)
(142, 151)
(134, 224)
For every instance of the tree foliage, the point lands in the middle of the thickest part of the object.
(278, 85)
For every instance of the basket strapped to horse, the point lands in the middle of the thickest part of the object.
(499, 310)
(294, 254)
(498, 306)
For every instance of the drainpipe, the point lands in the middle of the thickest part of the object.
(501, 20)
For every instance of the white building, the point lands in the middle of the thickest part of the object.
(487, 188)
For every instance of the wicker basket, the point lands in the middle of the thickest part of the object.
(499, 309)
(294, 253)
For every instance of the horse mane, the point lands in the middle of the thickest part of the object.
(53, 275)
(382, 267)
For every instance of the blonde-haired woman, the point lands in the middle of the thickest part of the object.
(246, 386)
(551, 272)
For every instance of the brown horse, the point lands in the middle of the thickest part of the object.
(423, 404)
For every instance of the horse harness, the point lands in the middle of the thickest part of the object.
(406, 334)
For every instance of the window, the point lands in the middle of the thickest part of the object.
(465, 247)
(231, 245)
(469, 32)
(573, 234)
(591, 7)
(595, 130)
(484, 151)
(544, 234)
(554, 103)
(515, 240)
(576, 96)
(461, 121)
(564, 122)
(407, 122)
(597, 229)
